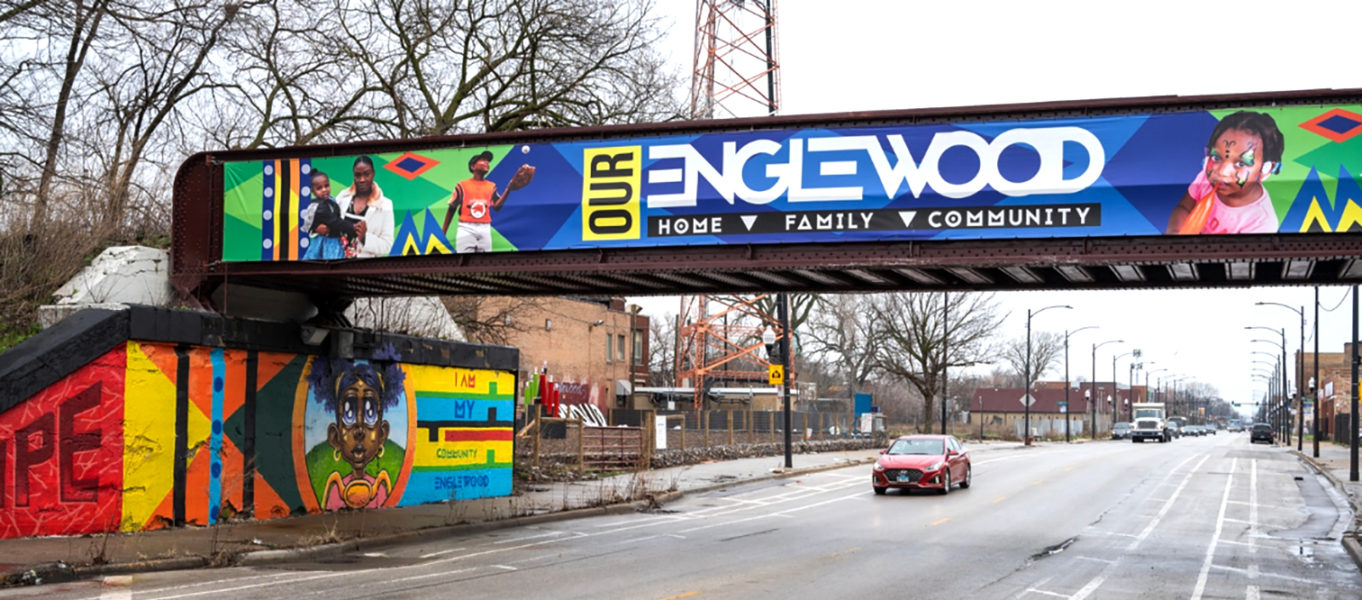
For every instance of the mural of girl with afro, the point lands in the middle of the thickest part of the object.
(358, 394)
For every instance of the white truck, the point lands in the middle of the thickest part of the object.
(1149, 422)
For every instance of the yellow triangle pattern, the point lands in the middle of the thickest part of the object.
(149, 438)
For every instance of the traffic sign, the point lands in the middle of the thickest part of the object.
(776, 375)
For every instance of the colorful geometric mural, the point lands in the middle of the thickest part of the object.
(153, 434)
(1030, 178)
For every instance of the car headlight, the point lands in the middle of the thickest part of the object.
(879, 467)
(934, 466)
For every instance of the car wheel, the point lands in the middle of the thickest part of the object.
(879, 491)
(969, 477)
(946, 489)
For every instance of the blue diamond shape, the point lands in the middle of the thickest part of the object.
(410, 164)
(1339, 124)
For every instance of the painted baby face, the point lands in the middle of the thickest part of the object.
(1235, 166)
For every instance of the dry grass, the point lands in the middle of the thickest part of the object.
(35, 262)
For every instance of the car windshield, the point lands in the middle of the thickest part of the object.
(917, 447)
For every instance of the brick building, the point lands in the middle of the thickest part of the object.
(1335, 385)
(596, 350)
(1001, 411)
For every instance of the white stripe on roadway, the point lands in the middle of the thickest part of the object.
(258, 585)
(1097, 581)
(1253, 506)
(1215, 538)
(1166, 505)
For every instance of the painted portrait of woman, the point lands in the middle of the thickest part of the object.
(356, 466)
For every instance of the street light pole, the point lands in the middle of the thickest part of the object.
(1066, 377)
(1318, 384)
(1115, 390)
(1283, 427)
(1092, 385)
(1300, 375)
(1026, 392)
(783, 310)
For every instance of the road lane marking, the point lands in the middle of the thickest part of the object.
(1252, 573)
(1097, 581)
(1037, 482)
(680, 596)
(1044, 593)
(1253, 506)
(1095, 559)
(1215, 538)
(999, 499)
(1251, 592)
(845, 552)
(1167, 505)
(1067, 469)
(259, 585)
(939, 521)
(1088, 589)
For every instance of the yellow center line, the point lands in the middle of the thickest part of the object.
(1067, 469)
(847, 551)
(999, 499)
(1037, 482)
(685, 595)
(940, 521)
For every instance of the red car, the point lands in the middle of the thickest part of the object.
(924, 462)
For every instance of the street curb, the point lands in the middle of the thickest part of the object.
(61, 572)
(651, 501)
(1351, 543)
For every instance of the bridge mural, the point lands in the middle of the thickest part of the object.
(154, 434)
(1283, 169)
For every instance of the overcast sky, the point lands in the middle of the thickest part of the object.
(879, 55)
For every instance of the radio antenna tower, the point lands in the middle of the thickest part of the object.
(736, 74)
(736, 70)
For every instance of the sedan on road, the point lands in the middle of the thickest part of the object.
(1261, 431)
(936, 462)
(1121, 431)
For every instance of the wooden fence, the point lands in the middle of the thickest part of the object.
(629, 438)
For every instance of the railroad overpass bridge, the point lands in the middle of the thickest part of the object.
(1067, 195)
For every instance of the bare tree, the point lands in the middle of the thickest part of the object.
(918, 342)
(662, 350)
(488, 320)
(409, 68)
(83, 29)
(1047, 349)
(842, 330)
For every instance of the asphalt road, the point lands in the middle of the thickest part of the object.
(1211, 517)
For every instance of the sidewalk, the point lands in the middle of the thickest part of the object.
(1335, 463)
(49, 559)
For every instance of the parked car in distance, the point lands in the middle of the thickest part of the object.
(1194, 430)
(1261, 431)
(1121, 431)
(1174, 430)
(936, 462)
